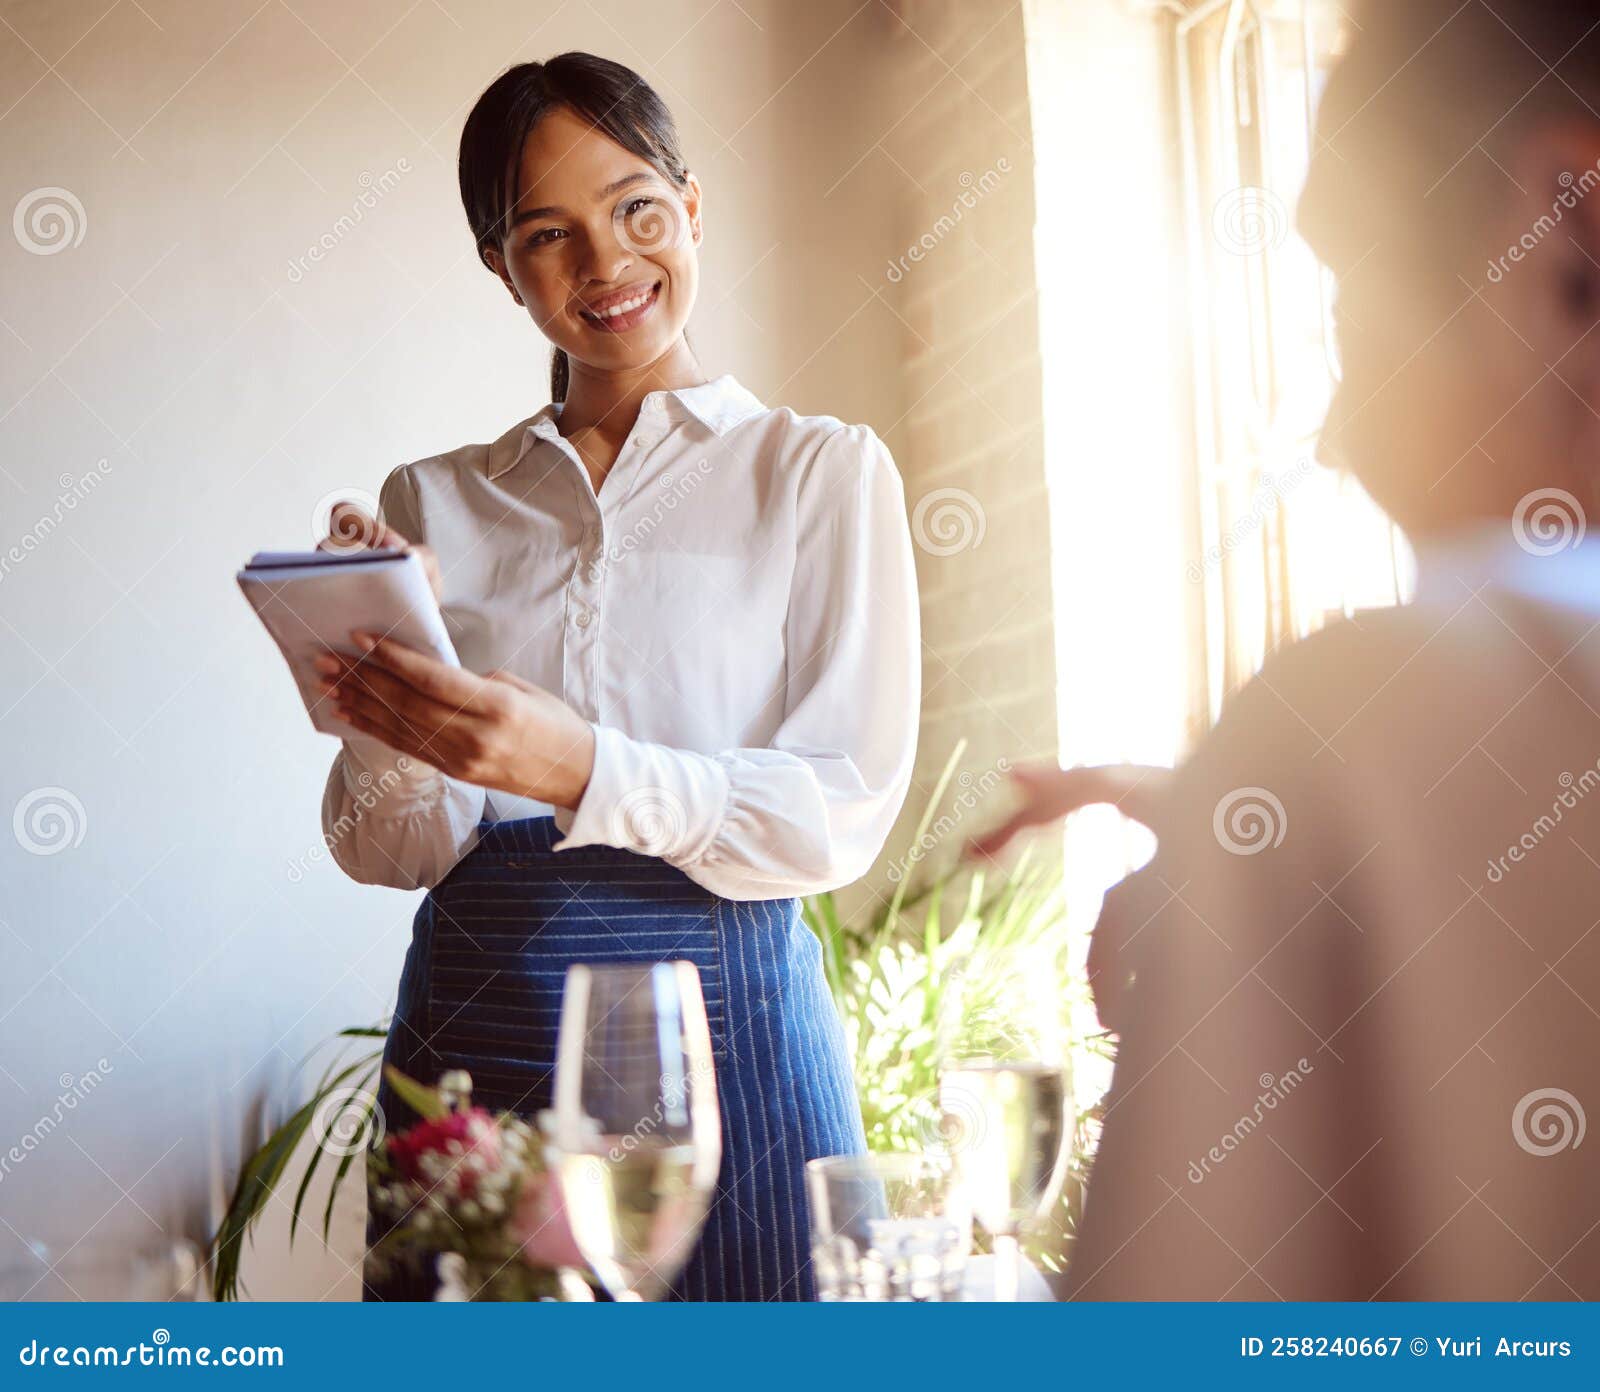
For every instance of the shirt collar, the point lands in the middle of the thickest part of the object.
(1554, 565)
(719, 405)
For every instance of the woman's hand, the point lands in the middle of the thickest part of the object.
(495, 730)
(351, 529)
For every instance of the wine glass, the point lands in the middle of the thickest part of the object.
(637, 1140)
(1006, 1127)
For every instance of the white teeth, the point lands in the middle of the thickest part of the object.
(625, 307)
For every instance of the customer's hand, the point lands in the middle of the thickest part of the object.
(1049, 794)
(495, 730)
(352, 529)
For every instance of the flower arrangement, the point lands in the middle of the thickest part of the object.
(464, 1197)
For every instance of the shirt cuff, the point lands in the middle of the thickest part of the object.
(649, 798)
(386, 782)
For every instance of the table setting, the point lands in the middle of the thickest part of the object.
(605, 1193)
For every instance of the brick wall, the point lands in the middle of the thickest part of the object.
(970, 442)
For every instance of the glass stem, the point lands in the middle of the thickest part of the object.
(628, 1296)
(1007, 1267)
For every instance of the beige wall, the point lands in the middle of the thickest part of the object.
(211, 146)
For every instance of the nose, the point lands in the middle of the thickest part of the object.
(606, 259)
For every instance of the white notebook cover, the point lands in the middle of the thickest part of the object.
(310, 602)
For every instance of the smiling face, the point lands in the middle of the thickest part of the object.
(600, 247)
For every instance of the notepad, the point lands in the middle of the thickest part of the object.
(311, 601)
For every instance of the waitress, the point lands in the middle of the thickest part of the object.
(689, 692)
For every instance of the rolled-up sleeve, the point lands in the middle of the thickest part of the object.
(387, 818)
(811, 810)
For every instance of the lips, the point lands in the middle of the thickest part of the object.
(622, 309)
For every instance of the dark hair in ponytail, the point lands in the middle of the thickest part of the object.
(609, 96)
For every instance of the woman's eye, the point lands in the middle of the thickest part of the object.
(634, 204)
(544, 236)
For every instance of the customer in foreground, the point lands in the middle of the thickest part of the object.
(1358, 988)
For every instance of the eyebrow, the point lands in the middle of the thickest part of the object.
(627, 181)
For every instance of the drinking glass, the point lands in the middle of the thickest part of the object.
(887, 1227)
(1006, 1127)
(96, 1269)
(636, 1137)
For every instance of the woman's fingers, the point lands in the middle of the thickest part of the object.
(352, 528)
(513, 679)
(451, 686)
(372, 719)
(361, 684)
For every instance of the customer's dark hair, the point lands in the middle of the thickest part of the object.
(607, 95)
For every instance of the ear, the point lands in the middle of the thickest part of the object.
(692, 205)
(497, 263)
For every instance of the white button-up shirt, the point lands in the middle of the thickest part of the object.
(734, 612)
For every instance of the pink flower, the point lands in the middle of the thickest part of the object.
(540, 1224)
(452, 1150)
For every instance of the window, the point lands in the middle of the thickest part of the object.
(1282, 545)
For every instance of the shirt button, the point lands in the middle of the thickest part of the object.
(583, 618)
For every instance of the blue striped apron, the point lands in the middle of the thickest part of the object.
(481, 990)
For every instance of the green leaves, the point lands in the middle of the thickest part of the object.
(263, 1172)
(424, 1101)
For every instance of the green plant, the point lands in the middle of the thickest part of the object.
(340, 1105)
(958, 967)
